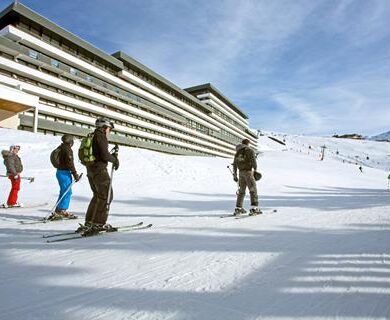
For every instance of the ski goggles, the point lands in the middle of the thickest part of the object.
(14, 147)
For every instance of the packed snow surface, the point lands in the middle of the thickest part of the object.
(325, 253)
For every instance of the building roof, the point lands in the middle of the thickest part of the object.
(17, 9)
(208, 87)
(143, 69)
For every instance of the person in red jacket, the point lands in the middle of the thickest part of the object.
(14, 167)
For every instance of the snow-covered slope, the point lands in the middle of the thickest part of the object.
(324, 254)
(373, 154)
(381, 137)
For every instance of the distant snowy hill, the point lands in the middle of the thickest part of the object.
(359, 152)
(324, 254)
(381, 137)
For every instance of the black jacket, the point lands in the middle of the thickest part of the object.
(66, 160)
(100, 147)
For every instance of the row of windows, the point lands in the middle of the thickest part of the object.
(91, 127)
(74, 50)
(226, 118)
(190, 123)
(55, 63)
(223, 135)
(92, 80)
(48, 37)
(162, 87)
(75, 72)
(126, 124)
(230, 138)
(65, 46)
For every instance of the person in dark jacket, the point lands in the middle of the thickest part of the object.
(14, 167)
(98, 177)
(245, 162)
(65, 171)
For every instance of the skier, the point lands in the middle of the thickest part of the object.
(388, 182)
(99, 179)
(361, 169)
(245, 162)
(65, 171)
(14, 167)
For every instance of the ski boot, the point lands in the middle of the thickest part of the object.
(254, 211)
(83, 227)
(109, 228)
(55, 216)
(66, 214)
(91, 229)
(16, 205)
(239, 211)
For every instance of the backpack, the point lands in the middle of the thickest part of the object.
(85, 151)
(55, 157)
(243, 159)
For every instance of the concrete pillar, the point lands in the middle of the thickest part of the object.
(35, 120)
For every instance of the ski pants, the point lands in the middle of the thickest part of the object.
(99, 181)
(15, 187)
(64, 178)
(246, 179)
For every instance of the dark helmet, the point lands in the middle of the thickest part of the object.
(245, 141)
(67, 138)
(104, 122)
(14, 146)
(257, 175)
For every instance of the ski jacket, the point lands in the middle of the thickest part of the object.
(100, 148)
(12, 163)
(250, 156)
(66, 159)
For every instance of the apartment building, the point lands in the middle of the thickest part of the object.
(52, 81)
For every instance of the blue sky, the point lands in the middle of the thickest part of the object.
(304, 67)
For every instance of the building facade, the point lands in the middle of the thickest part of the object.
(53, 82)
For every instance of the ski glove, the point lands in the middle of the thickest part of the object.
(76, 177)
(235, 178)
(115, 164)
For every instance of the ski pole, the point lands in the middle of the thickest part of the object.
(62, 197)
(31, 179)
(115, 150)
(238, 186)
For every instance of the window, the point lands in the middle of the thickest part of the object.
(54, 63)
(73, 71)
(33, 54)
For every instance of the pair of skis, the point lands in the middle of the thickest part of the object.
(30, 179)
(247, 215)
(44, 220)
(58, 237)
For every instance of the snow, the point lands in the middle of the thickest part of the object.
(382, 137)
(325, 253)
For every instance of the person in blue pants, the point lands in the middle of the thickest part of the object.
(65, 171)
